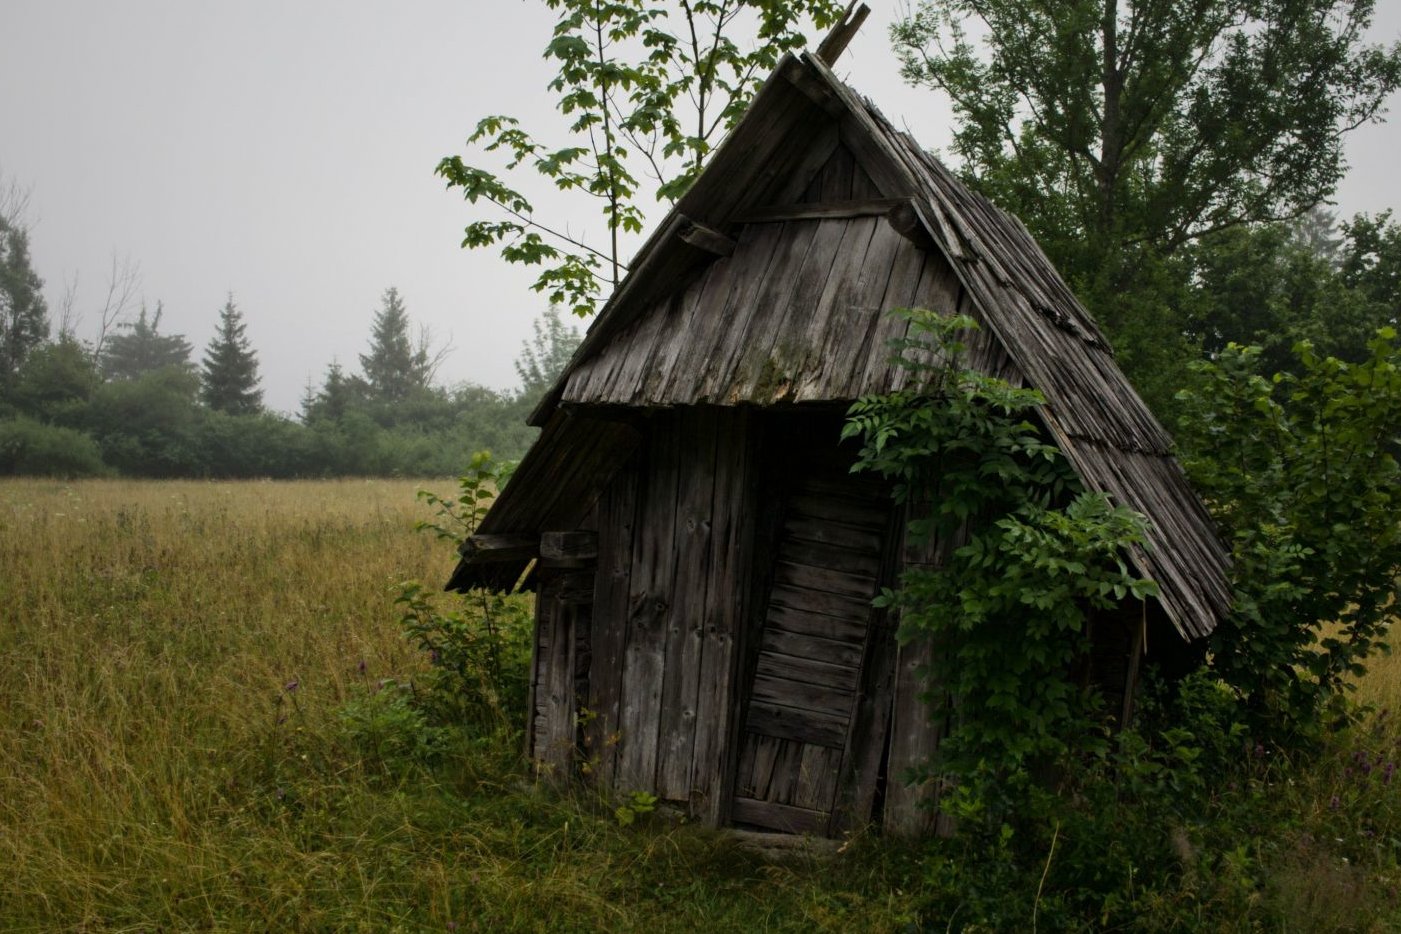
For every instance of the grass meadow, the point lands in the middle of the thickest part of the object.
(175, 662)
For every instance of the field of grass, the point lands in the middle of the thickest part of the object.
(176, 663)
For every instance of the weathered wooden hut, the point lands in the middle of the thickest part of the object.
(702, 558)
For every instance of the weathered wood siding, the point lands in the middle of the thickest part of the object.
(672, 571)
(563, 633)
(811, 675)
(795, 314)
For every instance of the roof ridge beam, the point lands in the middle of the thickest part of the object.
(842, 33)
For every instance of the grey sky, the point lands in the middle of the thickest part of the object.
(284, 151)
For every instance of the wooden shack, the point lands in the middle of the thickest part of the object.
(702, 558)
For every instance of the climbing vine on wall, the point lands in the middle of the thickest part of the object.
(1019, 557)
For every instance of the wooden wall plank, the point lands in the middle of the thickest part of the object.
(685, 627)
(618, 507)
(555, 696)
(784, 818)
(816, 648)
(914, 737)
(649, 603)
(731, 533)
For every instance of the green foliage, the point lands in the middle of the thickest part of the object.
(543, 358)
(1276, 285)
(1021, 558)
(1123, 124)
(479, 656)
(388, 730)
(148, 424)
(647, 89)
(56, 382)
(31, 448)
(229, 379)
(638, 804)
(1300, 471)
(24, 321)
(1122, 133)
(455, 519)
(139, 348)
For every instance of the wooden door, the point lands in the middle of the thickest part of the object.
(816, 631)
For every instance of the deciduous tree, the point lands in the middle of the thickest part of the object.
(543, 358)
(24, 320)
(1122, 130)
(648, 89)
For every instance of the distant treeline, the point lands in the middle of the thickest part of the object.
(136, 404)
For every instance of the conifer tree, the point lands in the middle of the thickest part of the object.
(394, 368)
(338, 395)
(140, 348)
(229, 381)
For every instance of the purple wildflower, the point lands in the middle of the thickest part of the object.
(1387, 771)
(1334, 803)
(435, 656)
(291, 686)
(361, 667)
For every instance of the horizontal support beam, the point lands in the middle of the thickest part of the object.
(481, 548)
(582, 545)
(820, 210)
(705, 237)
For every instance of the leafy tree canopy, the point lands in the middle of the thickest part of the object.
(24, 321)
(543, 358)
(648, 89)
(1115, 123)
(229, 381)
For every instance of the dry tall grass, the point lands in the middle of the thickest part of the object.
(149, 633)
(173, 659)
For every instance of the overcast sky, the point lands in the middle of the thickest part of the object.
(284, 152)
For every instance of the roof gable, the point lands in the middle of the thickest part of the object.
(751, 291)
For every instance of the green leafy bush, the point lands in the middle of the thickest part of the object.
(480, 655)
(32, 448)
(388, 730)
(1300, 472)
(1026, 557)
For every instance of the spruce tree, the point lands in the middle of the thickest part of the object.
(24, 321)
(393, 368)
(140, 348)
(229, 382)
(338, 395)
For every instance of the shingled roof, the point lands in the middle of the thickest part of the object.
(759, 288)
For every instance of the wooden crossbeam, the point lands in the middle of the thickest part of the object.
(478, 548)
(818, 210)
(705, 237)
